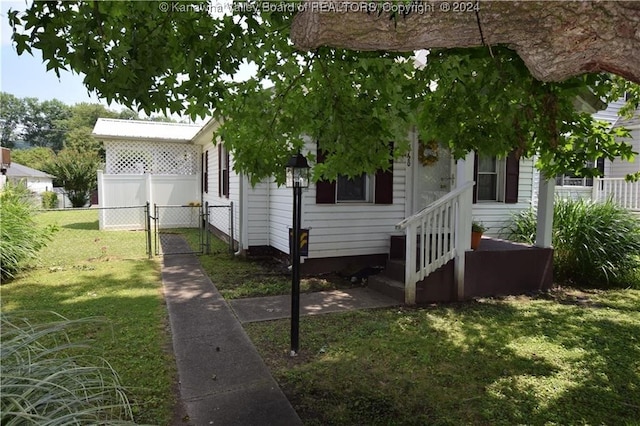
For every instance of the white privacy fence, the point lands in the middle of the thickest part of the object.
(118, 190)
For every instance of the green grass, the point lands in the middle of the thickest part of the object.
(573, 358)
(83, 273)
(236, 277)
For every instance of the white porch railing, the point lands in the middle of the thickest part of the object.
(435, 235)
(623, 193)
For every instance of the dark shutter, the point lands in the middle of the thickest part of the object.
(205, 172)
(325, 190)
(220, 170)
(384, 184)
(512, 176)
(225, 175)
(600, 165)
(475, 177)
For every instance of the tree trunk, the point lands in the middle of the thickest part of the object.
(556, 39)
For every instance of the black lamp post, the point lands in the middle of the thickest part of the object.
(297, 178)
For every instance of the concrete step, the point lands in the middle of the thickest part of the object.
(387, 286)
(395, 269)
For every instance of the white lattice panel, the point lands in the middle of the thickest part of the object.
(124, 157)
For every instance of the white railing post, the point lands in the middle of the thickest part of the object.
(410, 265)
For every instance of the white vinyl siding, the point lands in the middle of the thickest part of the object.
(258, 214)
(497, 215)
(281, 215)
(353, 229)
(620, 168)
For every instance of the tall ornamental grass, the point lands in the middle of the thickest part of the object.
(20, 237)
(593, 242)
(46, 380)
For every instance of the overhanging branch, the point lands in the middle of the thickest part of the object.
(556, 39)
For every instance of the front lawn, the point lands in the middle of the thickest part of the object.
(236, 277)
(84, 272)
(570, 358)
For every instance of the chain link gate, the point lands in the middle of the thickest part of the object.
(169, 222)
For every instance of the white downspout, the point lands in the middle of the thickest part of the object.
(243, 199)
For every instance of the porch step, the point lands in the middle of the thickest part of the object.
(387, 286)
(395, 269)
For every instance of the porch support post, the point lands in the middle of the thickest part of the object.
(464, 173)
(544, 225)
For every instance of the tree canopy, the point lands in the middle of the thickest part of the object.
(182, 57)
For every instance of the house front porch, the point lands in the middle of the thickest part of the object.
(497, 267)
(432, 260)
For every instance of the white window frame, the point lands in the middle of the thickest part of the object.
(368, 191)
(501, 166)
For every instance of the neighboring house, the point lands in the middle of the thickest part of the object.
(35, 180)
(612, 184)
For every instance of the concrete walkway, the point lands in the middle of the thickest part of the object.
(223, 380)
(322, 302)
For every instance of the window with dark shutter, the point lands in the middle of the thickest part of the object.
(356, 189)
(496, 179)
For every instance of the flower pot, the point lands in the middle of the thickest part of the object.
(476, 237)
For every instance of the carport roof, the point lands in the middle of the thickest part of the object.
(111, 128)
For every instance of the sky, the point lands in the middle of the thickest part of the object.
(26, 75)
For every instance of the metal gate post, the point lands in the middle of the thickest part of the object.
(207, 247)
(231, 247)
(147, 211)
(155, 227)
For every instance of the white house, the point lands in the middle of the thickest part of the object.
(613, 183)
(35, 180)
(362, 221)
(375, 219)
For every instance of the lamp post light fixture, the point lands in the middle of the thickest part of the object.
(297, 177)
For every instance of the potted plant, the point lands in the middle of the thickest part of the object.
(477, 229)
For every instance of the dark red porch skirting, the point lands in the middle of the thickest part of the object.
(497, 268)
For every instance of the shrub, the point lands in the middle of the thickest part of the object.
(47, 381)
(49, 200)
(593, 242)
(20, 237)
(76, 171)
